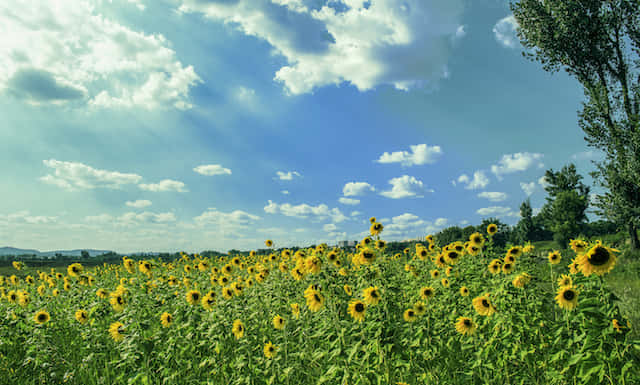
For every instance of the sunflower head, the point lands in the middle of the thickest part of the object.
(599, 260)
(193, 297)
(371, 295)
(237, 329)
(376, 228)
(269, 350)
(357, 309)
(409, 315)
(492, 229)
(82, 316)
(278, 322)
(464, 291)
(483, 306)
(268, 243)
(567, 297)
(427, 292)
(41, 317)
(117, 331)
(465, 326)
(554, 257)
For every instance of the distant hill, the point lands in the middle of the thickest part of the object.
(73, 253)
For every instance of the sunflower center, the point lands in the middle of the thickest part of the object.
(485, 303)
(316, 297)
(359, 307)
(569, 295)
(410, 313)
(599, 257)
(467, 322)
(374, 294)
(42, 317)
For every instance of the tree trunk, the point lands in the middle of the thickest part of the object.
(633, 234)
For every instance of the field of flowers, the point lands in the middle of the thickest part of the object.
(463, 313)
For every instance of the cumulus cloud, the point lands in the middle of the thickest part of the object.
(505, 32)
(519, 161)
(78, 176)
(528, 188)
(405, 187)
(304, 210)
(285, 192)
(420, 154)
(131, 218)
(212, 169)
(356, 188)
(543, 182)
(355, 213)
(140, 203)
(497, 211)
(287, 175)
(164, 185)
(329, 227)
(74, 53)
(348, 201)
(232, 220)
(404, 44)
(478, 181)
(25, 217)
(493, 196)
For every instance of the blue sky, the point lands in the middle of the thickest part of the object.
(191, 125)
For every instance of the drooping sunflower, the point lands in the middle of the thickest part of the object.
(166, 319)
(508, 268)
(492, 229)
(348, 290)
(567, 297)
(278, 322)
(599, 260)
(420, 308)
(409, 315)
(41, 317)
(483, 306)
(227, 293)
(74, 269)
(193, 297)
(269, 350)
(495, 266)
(465, 326)
(315, 300)
(81, 316)
(464, 291)
(565, 280)
(521, 280)
(376, 228)
(445, 282)
(117, 331)
(554, 257)
(427, 292)
(209, 300)
(371, 295)
(295, 310)
(237, 329)
(357, 309)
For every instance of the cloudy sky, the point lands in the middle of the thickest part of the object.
(139, 125)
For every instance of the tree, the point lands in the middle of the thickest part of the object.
(524, 228)
(598, 42)
(84, 254)
(448, 235)
(567, 203)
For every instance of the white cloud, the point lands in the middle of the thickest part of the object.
(164, 185)
(585, 155)
(543, 182)
(355, 213)
(304, 210)
(287, 175)
(497, 211)
(441, 222)
(528, 188)
(25, 217)
(493, 196)
(464, 222)
(71, 52)
(479, 180)
(405, 44)
(212, 169)
(234, 219)
(78, 176)
(520, 161)
(349, 201)
(356, 188)
(420, 154)
(329, 227)
(285, 192)
(505, 32)
(139, 203)
(405, 187)
(132, 219)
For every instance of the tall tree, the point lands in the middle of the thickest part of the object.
(598, 42)
(524, 228)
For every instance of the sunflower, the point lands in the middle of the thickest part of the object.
(295, 310)
(278, 322)
(144, 267)
(313, 264)
(380, 244)
(473, 250)
(599, 260)
(492, 229)
(74, 269)
(166, 319)
(209, 300)
(227, 293)
(12, 296)
(348, 290)
(476, 239)
(237, 329)
(227, 269)
(554, 257)
(521, 280)
(510, 258)
(268, 243)
(453, 256)
(464, 291)
(269, 350)
(465, 326)
(573, 267)
(435, 274)
(409, 315)
(367, 256)
(315, 300)
(445, 282)
(507, 268)
(371, 295)
(193, 297)
(483, 306)
(41, 317)
(17, 265)
(565, 280)
(567, 297)
(117, 331)
(617, 326)
(357, 309)
(366, 241)
(117, 301)
(420, 308)
(440, 261)
(495, 266)
(372, 220)
(516, 251)
(376, 228)
(448, 271)
(82, 316)
(427, 292)
(297, 274)
(578, 246)
(237, 288)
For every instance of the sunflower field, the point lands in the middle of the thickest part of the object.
(463, 313)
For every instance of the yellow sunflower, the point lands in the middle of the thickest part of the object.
(278, 322)
(357, 309)
(209, 300)
(315, 300)
(269, 350)
(464, 291)
(41, 317)
(82, 316)
(376, 228)
(476, 239)
(117, 331)
(166, 319)
(567, 297)
(295, 310)
(554, 257)
(599, 260)
(409, 315)
(565, 280)
(465, 326)
(492, 229)
(193, 297)
(237, 329)
(427, 292)
(420, 308)
(268, 243)
(371, 295)
(483, 306)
